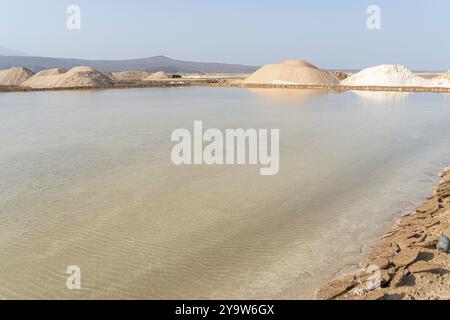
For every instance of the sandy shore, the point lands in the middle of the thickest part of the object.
(137, 84)
(406, 264)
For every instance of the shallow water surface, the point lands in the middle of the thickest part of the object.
(86, 179)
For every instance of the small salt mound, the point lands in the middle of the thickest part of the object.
(160, 75)
(442, 80)
(129, 75)
(387, 76)
(74, 78)
(14, 76)
(50, 72)
(291, 72)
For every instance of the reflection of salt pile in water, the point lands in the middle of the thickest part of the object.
(129, 75)
(14, 76)
(291, 72)
(160, 75)
(288, 95)
(382, 96)
(74, 78)
(390, 76)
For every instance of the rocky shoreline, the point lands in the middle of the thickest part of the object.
(407, 264)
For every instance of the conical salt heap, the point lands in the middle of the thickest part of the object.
(129, 75)
(160, 75)
(74, 78)
(295, 72)
(14, 76)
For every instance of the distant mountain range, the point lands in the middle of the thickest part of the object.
(9, 59)
(8, 52)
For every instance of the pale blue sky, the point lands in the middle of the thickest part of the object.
(329, 33)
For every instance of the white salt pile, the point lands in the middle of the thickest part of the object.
(294, 72)
(442, 80)
(74, 78)
(14, 76)
(129, 75)
(391, 76)
(160, 75)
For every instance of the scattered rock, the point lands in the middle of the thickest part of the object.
(443, 243)
(397, 296)
(429, 244)
(389, 234)
(381, 263)
(398, 277)
(430, 206)
(443, 189)
(446, 175)
(432, 224)
(336, 287)
(385, 277)
(423, 266)
(406, 243)
(385, 251)
(378, 294)
(405, 258)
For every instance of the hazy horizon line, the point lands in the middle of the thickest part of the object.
(27, 55)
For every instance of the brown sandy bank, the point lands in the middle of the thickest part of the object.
(228, 83)
(406, 264)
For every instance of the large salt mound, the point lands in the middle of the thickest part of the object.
(291, 72)
(129, 75)
(14, 76)
(160, 75)
(389, 76)
(74, 78)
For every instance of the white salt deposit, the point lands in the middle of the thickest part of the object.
(391, 76)
(442, 81)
